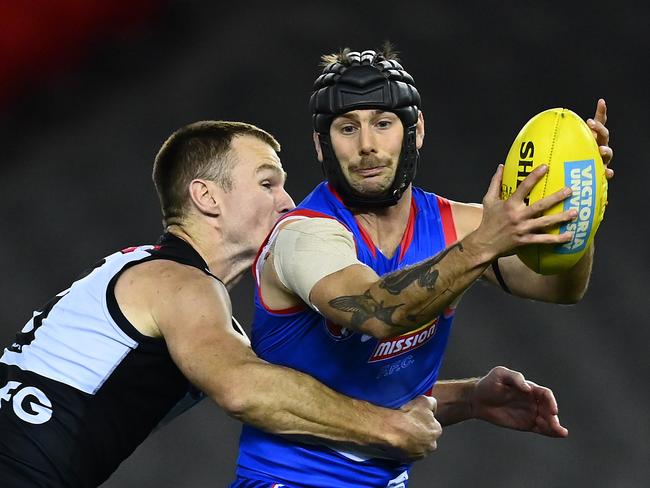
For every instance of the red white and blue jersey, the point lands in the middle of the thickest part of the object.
(388, 372)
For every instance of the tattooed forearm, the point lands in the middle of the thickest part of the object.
(422, 313)
(365, 307)
(424, 274)
(398, 281)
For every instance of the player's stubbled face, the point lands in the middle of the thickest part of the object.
(258, 197)
(367, 144)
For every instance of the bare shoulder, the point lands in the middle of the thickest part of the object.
(467, 217)
(156, 294)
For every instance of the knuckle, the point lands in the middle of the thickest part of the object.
(561, 195)
(522, 229)
(538, 206)
(511, 214)
(526, 239)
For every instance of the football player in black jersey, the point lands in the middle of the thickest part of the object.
(136, 337)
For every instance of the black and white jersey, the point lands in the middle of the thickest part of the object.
(81, 388)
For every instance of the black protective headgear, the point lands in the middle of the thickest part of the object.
(369, 81)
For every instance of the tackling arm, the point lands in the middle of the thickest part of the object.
(192, 312)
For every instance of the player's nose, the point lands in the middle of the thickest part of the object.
(284, 202)
(366, 141)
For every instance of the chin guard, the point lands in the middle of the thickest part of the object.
(369, 81)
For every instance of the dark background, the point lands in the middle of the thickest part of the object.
(89, 92)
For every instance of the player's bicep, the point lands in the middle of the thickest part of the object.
(196, 323)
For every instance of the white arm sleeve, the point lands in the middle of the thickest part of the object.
(307, 250)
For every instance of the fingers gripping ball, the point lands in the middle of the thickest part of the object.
(562, 140)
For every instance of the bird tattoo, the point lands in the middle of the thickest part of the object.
(365, 307)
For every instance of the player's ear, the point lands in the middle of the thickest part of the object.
(205, 196)
(319, 152)
(419, 130)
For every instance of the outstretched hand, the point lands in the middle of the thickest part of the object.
(504, 397)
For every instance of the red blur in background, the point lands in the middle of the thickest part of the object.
(40, 39)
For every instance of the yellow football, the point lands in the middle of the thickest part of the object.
(562, 140)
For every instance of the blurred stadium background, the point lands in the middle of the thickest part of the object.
(89, 91)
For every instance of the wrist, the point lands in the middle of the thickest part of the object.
(380, 428)
(390, 435)
(480, 252)
(470, 399)
(455, 400)
(465, 405)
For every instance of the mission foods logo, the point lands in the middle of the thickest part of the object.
(580, 176)
(389, 348)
